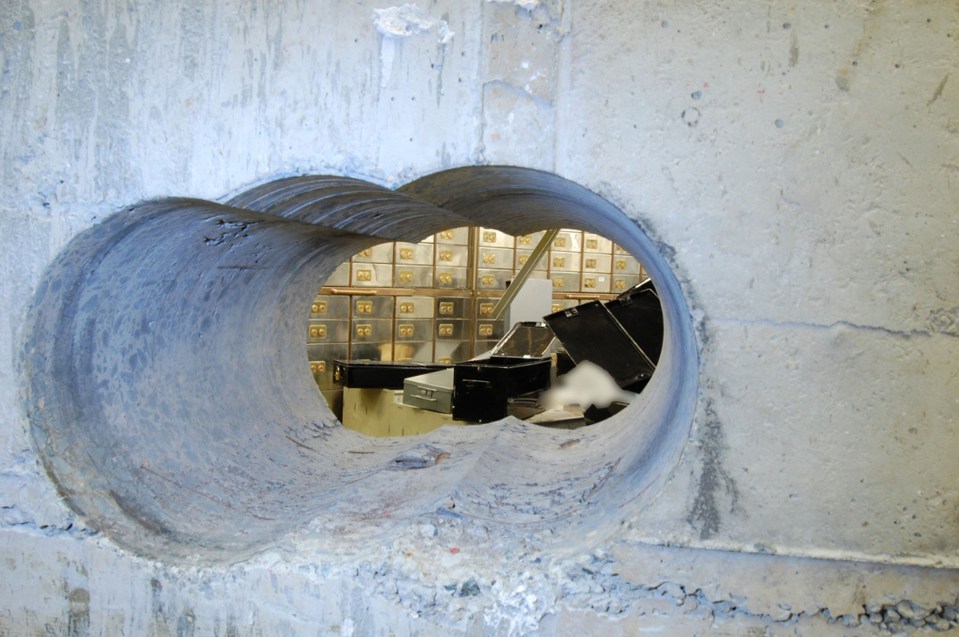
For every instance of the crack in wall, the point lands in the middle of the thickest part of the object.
(945, 322)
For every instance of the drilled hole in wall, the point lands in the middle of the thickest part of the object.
(165, 388)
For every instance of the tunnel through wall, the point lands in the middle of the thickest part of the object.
(168, 396)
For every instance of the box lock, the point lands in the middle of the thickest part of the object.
(405, 331)
(318, 307)
(559, 242)
(488, 280)
(559, 283)
(317, 331)
(619, 284)
(489, 236)
(591, 263)
(620, 264)
(368, 252)
(446, 308)
(364, 275)
(445, 278)
(522, 259)
(445, 234)
(559, 262)
(406, 253)
(364, 307)
(556, 307)
(364, 330)
(592, 244)
(485, 329)
(407, 308)
(526, 240)
(405, 276)
(486, 309)
(489, 258)
(444, 360)
(589, 283)
(446, 255)
(445, 329)
(318, 367)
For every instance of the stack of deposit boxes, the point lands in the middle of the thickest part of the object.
(432, 301)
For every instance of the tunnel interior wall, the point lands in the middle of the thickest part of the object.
(796, 167)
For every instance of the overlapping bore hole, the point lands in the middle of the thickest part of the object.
(165, 385)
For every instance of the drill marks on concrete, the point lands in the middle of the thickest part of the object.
(400, 22)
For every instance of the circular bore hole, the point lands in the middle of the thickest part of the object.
(406, 337)
(164, 385)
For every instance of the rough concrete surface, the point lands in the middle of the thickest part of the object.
(795, 164)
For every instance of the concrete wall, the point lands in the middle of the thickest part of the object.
(797, 164)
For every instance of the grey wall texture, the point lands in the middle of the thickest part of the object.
(796, 167)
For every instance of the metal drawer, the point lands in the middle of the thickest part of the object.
(382, 253)
(623, 283)
(488, 237)
(522, 256)
(565, 282)
(493, 279)
(449, 352)
(453, 236)
(452, 330)
(321, 362)
(414, 307)
(413, 352)
(593, 282)
(564, 261)
(376, 275)
(495, 258)
(529, 241)
(597, 244)
(413, 329)
(372, 307)
(450, 278)
(371, 330)
(601, 263)
(432, 391)
(568, 241)
(490, 330)
(413, 254)
(485, 307)
(452, 256)
(625, 264)
(453, 307)
(328, 331)
(413, 276)
(328, 306)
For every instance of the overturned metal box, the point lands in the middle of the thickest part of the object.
(432, 391)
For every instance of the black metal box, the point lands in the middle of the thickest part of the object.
(589, 332)
(379, 374)
(639, 312)
(483, 387)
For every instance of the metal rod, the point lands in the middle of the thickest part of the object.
(525, 273)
